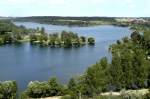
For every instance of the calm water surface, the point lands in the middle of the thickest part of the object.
(25, 63)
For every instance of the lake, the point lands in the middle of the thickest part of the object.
(25, 63)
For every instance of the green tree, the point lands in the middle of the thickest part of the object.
(91, 41)
(33, 38)
(96, 77)
(42, 30)
(8, 90)
(136, 37)
(73, 88)
(54, 87)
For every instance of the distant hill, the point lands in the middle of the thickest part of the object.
(58, 20)
(83, 21)
(66, 18)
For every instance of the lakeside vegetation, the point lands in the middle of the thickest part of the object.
(8, 90)
(64, 39)
(11, 34)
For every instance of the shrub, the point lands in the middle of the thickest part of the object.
(8, 90)
(48, 88)
(91, 41)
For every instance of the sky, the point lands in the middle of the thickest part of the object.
(109, 8)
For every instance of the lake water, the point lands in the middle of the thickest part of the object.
(25, 63)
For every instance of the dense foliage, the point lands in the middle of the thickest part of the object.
(8, 90)
(130, 66)
(48, 88)
(65, 39)
(9, 33)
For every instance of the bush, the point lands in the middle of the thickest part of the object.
(91, 41)
(55, 89)
(8, 90)
(37, 89)
(48, 88)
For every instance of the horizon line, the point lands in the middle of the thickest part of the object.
(80, 16)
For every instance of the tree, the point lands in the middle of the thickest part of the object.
(91, 41)
(8, 90)
(83, 39)
(37, 89)
(141, 68)
(136, 37)
(33, 38)
(1, 41)
(129, 67)
(7, 39)
(54, 87)
(73, 88)
(96, 77)
(116, 73)
(42, 30)
(48, 88)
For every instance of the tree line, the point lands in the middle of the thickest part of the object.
(10, 33)
(70, 21)
(63, 39)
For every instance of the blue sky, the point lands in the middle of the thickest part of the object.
(114, 8)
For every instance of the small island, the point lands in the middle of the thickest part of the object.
(63, 39)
